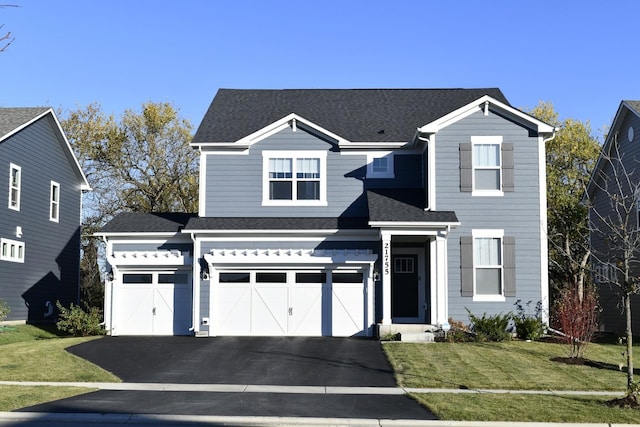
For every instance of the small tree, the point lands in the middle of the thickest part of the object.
(615, 236)
(577, 317)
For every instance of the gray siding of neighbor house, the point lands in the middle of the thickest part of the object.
(508, 212)
(234, 182)
(52, 250)
(612, 318)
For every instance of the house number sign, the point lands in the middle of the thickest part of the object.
(386, 261)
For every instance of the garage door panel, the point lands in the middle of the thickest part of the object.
(234, 309)
(306, 303)
(348, 309)
(135, 310)
(173, 309)
(270, 310)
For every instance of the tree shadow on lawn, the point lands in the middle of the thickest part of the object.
(580, 361)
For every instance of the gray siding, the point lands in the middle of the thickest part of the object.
(234, 182)
(52, 250)
(612, 318)
(508, 212)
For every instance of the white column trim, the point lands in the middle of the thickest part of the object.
(386, 278)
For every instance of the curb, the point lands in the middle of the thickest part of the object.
(152, 419)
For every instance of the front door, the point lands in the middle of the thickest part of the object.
(407, 289)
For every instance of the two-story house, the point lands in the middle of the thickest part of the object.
(341, 213)
(40, 214)
(613, 198)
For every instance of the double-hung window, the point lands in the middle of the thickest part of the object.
(54, 202)
(488, 265)
(15, 182)
(298, 179)
(487, 166)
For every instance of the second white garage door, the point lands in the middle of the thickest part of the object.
(289, 303)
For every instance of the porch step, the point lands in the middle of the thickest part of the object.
(417, 337)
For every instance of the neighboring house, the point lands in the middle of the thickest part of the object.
(40, 212)
(341, 213)
(622, 142)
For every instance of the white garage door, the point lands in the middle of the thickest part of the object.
(290, 303)
(152, 303)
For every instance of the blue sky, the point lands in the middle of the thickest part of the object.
(580, 55)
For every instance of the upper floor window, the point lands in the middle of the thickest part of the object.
(298, 179)
(486, 166)
(11, 250)
(15, 179)
(54, 202)
(380, 165)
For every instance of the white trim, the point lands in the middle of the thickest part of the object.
(12, 167)
(491, 234)
(294, 155)
(390, 158)
(202, 185)
(290, 256)
(150, 258)
(53, 202)
(486, 140)
(544, 242)
(12, 250)
(479, 106)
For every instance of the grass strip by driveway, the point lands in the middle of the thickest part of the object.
(513, 365)
(29, 353)
(16, 397)
(527, 408)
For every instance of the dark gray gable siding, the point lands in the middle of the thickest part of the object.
(51, 268)
(612, 317)
(517, 212)
(368, 115)
(13, 118)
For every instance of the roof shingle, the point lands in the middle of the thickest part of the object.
(359, 115)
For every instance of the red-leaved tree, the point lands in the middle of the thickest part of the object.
(577, 317)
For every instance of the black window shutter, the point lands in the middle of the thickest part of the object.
(466, 169)
(508, 178)
(509, 266)
(466, 265)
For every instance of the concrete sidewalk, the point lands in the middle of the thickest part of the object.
(260, 388)
(33, 419)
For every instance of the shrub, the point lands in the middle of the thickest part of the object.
(529, 326)
(577, 318)
(490, 328)
(4, 310)
(458, 332)
(79, 322)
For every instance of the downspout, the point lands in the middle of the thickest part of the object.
(544, 226)
(194, 277)
(110, 297)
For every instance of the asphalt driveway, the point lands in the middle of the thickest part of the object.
(278, 361)
(289, 361)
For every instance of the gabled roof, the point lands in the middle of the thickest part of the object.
(358, 115)
(626, 107)
(139, 222)
(401, 206)
(13, 120)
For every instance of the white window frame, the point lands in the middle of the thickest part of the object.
(11, 250)
(605, 274)
(294, 156)
(486, 140)
(17, 188)
(490, 234)
(54, 203)
(372, 157)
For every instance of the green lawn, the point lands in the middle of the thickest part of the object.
(514, 365)
(29, 353)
